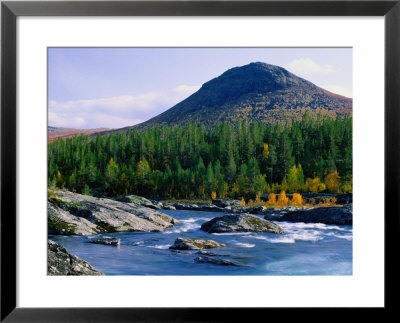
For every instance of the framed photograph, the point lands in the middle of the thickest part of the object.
(192, 160)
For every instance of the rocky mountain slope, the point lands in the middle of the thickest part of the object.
(257, 92)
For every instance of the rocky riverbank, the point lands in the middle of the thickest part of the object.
(75, 214)
(61, 263)
(340, 213)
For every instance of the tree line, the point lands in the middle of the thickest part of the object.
(243, 160)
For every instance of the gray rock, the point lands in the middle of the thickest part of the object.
(215, 261)
(75, 214)
(210, 208)
(168, 207)
(223, 203)
(159, 205)
(185, 206)
(139, 200)
(240, 223)
(328, 215)
(61, 263)
(107, 241)
(189, 244)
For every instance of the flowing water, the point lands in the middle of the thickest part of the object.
(304, 249)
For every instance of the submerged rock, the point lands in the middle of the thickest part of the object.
(240, 223)
(189, 244)
(215, 261)
(61, 263)
(328, 215)
(210, 254)
(75, 214)
(107, 241)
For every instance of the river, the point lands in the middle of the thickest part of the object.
(304, 249)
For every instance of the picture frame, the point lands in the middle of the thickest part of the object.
(11, 10)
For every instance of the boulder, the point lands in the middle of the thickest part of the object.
(328, 215)
(185, 206)
(189, 244)
(61, 263)
(168, 207)
(107, 241)
(344, 198)
(210, 208)
(139, 200)
(223, 203)
(75, 214)
(240, 223)
(215, 261)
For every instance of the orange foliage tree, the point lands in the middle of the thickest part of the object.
(297, 200)
(282, 199)
(242, 202)
(272, 199)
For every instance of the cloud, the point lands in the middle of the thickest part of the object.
(187, 88)
(60, 120)
(306, 66)
(338, 89)
(115, 112)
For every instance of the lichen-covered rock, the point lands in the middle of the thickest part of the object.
(215, 261)
(75, 214)
(62, 222)
(107, 241)
(240, 223)
(189, 244)
(328, 215)
(61, 263)
(139, 200)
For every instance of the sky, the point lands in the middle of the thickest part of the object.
(118, 87)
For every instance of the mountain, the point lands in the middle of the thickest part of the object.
(257, 91)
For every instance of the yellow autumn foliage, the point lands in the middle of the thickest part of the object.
(297, 200)
(282, 199)
(272, 199)
(266, 151)
(332, 182)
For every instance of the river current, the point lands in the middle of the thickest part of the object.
(304, 249)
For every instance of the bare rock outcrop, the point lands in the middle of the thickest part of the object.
(75, 214)
(61, 263)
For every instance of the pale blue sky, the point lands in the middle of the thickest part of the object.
(117, 87)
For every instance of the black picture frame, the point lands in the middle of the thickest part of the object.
(10, 10)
